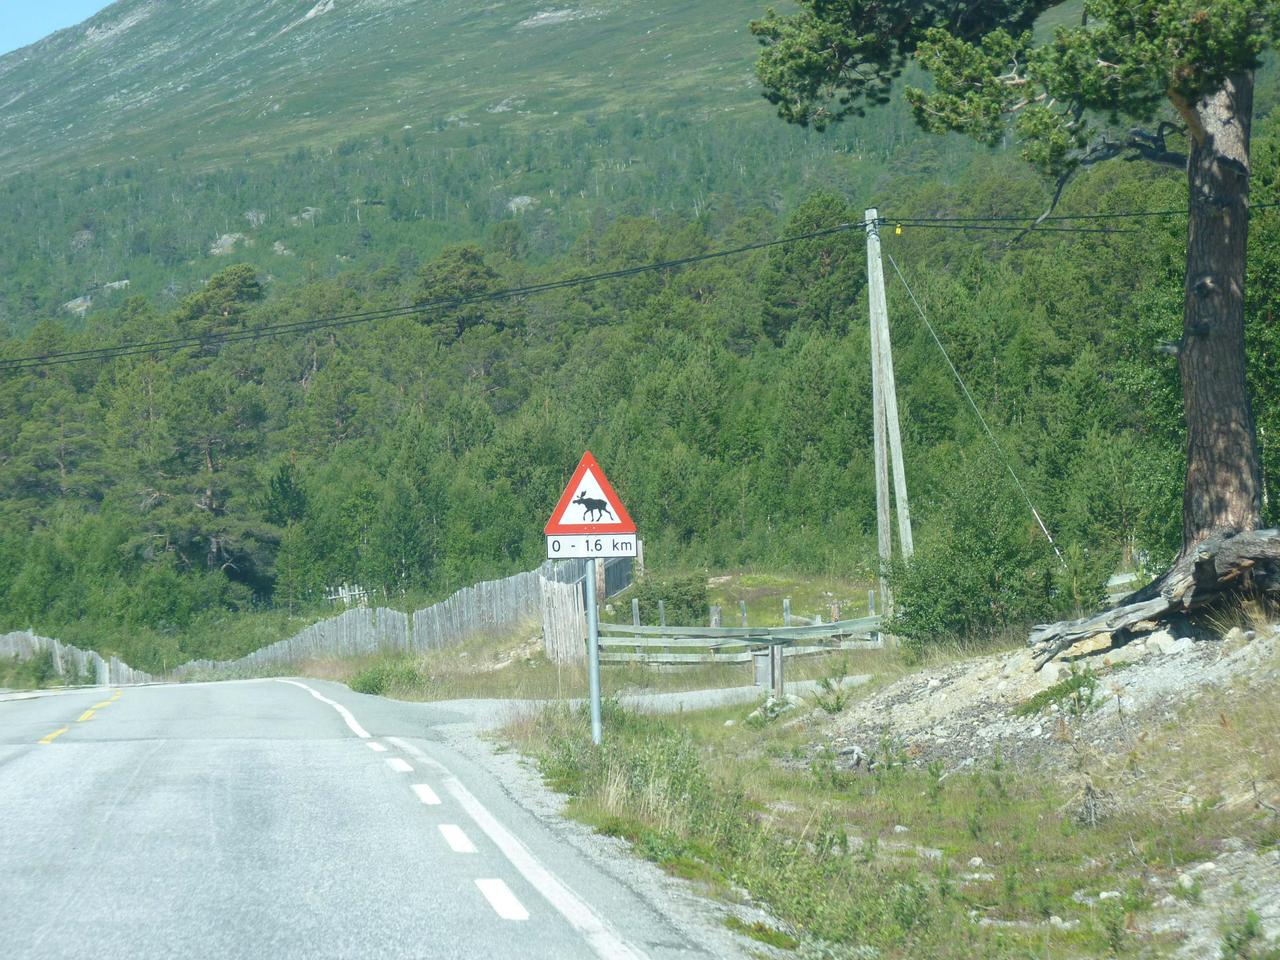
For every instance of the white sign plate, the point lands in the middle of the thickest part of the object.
(560, 546)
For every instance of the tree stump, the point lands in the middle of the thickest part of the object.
(1220, 566)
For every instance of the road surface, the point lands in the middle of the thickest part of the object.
(285, 818)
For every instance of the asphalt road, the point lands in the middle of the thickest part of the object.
(281, 819)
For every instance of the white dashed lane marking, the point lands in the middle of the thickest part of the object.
(376, 747)
(601, 937)
(426, 794)
(458, 841)
(502, 900)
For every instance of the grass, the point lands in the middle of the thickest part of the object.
(753, 811)
(510, 666)
(32, 674)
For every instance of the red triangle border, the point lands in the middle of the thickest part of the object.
(556, 525)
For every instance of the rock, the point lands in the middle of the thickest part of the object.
(975, 862)
(730, 723)
(1205, 867)
(1084, 648)
(1129, 653)
(929, 853)
(1186, 881)
(1020, 662)
(1169, 647)
(899, 828)
(1109, 895)
(1051, 673)
(935, 683)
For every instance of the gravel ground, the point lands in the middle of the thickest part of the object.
(965, 712)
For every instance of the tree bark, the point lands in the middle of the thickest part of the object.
(1223, 489)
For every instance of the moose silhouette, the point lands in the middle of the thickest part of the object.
(593, 509)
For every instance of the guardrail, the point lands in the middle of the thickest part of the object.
(674, 645)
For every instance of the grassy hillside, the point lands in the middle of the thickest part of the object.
(217, 80)
(142, 149)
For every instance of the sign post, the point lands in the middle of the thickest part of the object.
(590, 521)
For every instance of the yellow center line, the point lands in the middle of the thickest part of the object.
(54, 736)
(104, 703)
(116, 695)
(87, 715)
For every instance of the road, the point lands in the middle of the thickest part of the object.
(276, 818)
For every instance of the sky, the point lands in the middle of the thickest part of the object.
(26, 21)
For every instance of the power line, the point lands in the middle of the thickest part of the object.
(950, 225)
(171, 344)
(1037, 218)
(981, 419)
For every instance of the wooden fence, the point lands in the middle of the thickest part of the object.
(551, 594)
(69, 662)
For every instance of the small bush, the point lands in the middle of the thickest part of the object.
(1077, 694)
(387, 677)
(26, 674)
(832, 695)
(685, 599)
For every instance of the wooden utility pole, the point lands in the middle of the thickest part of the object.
(888, 435)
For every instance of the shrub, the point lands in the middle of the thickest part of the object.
(387, 677)
(982, 566)
(685, 599)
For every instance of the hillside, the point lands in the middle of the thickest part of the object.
(143, 149)
(223, 80)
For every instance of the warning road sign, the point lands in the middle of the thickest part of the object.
(590, 520)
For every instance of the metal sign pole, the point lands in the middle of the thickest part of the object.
(593, 650)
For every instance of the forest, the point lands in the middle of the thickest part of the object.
(729, 401)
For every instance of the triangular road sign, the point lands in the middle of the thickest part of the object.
(589, 505)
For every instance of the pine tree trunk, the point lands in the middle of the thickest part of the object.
(1223, 489)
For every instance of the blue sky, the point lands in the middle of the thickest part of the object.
(26, 21)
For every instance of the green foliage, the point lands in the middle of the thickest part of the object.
(990, 70)
(684, 599)
(151, 500)
(832, 695)
(762, 932)
(1244, 939)
(386, 677)
(1076, 694)
(982, 564)
(32, 673)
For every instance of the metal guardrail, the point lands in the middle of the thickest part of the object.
(728, 644)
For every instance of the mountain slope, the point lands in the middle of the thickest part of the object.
(219, 79)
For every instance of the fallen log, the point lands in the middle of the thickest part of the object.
(1224, 564)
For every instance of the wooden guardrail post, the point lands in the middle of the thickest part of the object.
(635, 611)
(662, 613)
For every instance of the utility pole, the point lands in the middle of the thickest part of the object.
(888, 434)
